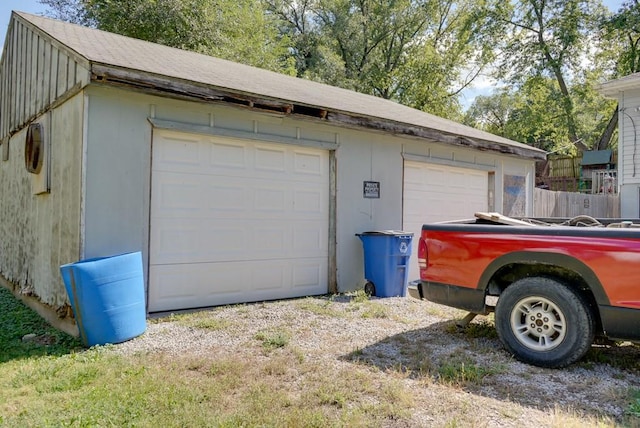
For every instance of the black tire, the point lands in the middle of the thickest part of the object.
(543, 322)
(370, 289)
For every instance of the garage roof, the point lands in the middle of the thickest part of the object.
(121, 60)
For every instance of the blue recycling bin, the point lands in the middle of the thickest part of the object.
(107, 297)
(386, 261)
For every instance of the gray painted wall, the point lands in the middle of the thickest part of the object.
(119, 158)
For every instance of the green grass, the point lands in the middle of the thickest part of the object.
(202, 320)
(17, 320)
(59, 383)
(460, 370)
(64, 384)
(273, 339)
(634, 405)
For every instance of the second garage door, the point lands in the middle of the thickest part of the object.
(439, 193)
(236, 221)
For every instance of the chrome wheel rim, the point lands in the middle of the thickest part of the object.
(538, 323)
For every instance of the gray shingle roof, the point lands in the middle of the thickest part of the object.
(100, 47)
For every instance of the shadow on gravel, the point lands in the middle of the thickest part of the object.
(473, 359)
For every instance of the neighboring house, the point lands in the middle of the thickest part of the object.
(627, 91)
(237, 184)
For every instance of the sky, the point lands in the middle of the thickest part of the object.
(481, 87)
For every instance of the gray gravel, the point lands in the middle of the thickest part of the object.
(405, 334)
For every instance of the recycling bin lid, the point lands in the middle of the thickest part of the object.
(386, 233)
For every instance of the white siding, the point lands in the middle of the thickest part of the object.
(629, 145)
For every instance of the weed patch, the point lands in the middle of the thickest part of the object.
(273, 339)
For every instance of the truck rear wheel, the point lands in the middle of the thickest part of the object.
(543, 322)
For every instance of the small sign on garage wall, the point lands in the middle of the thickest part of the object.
(371, 190)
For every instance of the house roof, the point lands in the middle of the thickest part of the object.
(612, 88)
(117, 59)
(596, 157)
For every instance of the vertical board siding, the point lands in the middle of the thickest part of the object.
(41, 232)
(548, 203)
(33, 75)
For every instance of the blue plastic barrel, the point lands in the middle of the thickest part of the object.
(386, 261)
(107, 297)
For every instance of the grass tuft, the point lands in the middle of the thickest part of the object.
(273, 339)
(461, 371)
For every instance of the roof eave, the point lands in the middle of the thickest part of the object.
(176, 88)
(614, 88)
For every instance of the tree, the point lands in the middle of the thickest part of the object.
(553, 38)
(421, 53)
(528, 114)
(237, 30)
(621, 37)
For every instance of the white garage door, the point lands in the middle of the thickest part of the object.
(439, 193)
(236, 221)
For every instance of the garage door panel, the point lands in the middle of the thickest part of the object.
(309, 239)
(435, 193)
(180, 243)
(192, 286)
(245, 212)
(227, 156)
(272, 199)
(224, 241)
(308, 275)
(309, 202)
(309, 164)
(199, 285)
(180, 153)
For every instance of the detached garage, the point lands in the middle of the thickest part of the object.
(236, 184)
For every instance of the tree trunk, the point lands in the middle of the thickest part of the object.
(605, 138)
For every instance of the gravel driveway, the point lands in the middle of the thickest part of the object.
(458, 377)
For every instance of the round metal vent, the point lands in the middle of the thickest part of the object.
(33, 149)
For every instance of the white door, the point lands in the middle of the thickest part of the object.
(235, 221)
(435, 193)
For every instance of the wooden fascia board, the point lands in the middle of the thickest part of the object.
(401, 129)
(177, 88)
(169, 86)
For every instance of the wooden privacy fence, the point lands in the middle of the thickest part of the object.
(549, 203)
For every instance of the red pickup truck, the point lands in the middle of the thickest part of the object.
(554, 286)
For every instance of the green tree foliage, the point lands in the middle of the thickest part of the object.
(529, 113)
(620, 41)
(237, 30)
(622, 30)
(549, 58)
(421, 53)
(551, 38)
